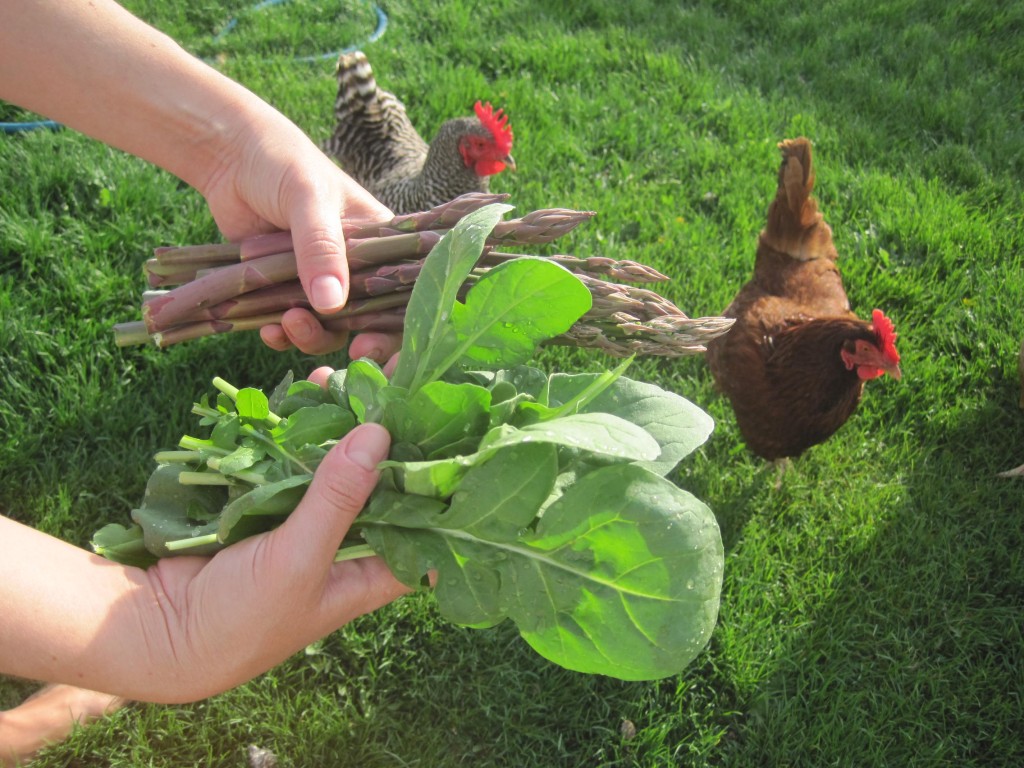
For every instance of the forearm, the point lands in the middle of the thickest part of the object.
(70, 616)
(191, 627)
(96, 68)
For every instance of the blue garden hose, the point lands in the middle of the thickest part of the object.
(32, 126)
(382, 24)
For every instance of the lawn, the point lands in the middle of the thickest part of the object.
(873, 601)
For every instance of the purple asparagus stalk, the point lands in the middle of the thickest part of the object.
(386, 316)
(443, 216)
(616, 269)
(217, 286)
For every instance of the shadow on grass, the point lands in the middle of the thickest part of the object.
(915, 657)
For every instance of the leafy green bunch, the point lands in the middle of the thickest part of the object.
(538, 498)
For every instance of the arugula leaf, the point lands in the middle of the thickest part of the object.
(274, 500)
(439, 415)
(363, 382)
(679, 426)
(513, 309)
(243, 457)
(337, 388)
(627, 576)
(600, 434)
(280, 392)
(500, 498)
(427, 341)
(532, 411)
(314, 424)
(172, 511)
(123, 545)
(252, 404)
(225, 433)
(301, 394)
(436, 479)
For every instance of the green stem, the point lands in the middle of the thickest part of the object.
(200, 410)
(177, 457)
(232, 392)
(203, 478)
(253, 478)
(355, 552)
(226, 388)
(179, 544)
(275, 448)
(190, 443)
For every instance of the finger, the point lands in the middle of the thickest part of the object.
(319, 245)
(303, 330)
(379, 347)
(319, 376)
(339, 490)
(275, 338)
(357, 587)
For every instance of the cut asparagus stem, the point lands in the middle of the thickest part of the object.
(132, 334)
(285, 296)
(264, 245)
(190, 255)
(217, 286)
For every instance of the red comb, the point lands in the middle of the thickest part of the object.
(885, 332)
(497, 124)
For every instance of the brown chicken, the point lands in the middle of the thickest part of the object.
(376, 144)
(795, 362)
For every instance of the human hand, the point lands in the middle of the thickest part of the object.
(233, 616)
(277, 179)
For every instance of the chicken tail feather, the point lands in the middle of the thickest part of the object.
(795, 226)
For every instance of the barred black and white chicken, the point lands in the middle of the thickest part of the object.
(377, 145)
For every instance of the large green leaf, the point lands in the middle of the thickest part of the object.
(172, 511)
(627, 576)
(622, 576)
(243, 515)
(603, 434)
(123, 545)
(363, 381)
(678, 425)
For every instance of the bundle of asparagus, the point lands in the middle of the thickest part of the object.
(227, 287)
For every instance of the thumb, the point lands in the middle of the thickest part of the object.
(340, 488)
(319, 245)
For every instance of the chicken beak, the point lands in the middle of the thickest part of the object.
(894, 371)
(509, 162)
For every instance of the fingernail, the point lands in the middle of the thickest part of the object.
(368, 446)
(328, 293)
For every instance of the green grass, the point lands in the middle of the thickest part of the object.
(873, 602)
